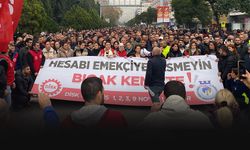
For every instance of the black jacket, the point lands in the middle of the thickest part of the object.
(23, 86)
(226, 65)
(155, 75)
(247, 62)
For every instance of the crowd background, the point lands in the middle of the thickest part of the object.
(27, 54)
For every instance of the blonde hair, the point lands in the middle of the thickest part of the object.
(226, 103)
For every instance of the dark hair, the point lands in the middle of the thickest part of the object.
(235, 71)
(175, 88)
(25, 66)
(28, 39)
(90, 87)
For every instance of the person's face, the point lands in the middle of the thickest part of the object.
(48, 46)
(29, 43)
(186, 39)
(206, 40)
(138, 49)
(237, 41)
(37, 46)
(121, 48)
(155, 44)
(129, 46)
(96, 46)
(26, 71)
(82, 46)
(11, 48)
(107, 46)
(66, 46)
(171, 38)
(230, 49)
(181, 43)
(116, 45)
(52, 44)
(218, 40)
(242, 37)
(143, 43)
(175, 47)
(193, 46)
(211, 46)
(57, 45)
(233, 75)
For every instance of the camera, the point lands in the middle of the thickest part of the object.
(241, 69)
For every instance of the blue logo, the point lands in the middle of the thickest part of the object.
(206, 91)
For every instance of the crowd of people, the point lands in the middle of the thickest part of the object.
(26, 55)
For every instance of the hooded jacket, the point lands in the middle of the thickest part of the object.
(176, 114)
(95, 116)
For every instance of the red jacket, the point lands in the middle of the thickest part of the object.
(10, 71)
(122, 53)
(37, 60)
(110, 119)
(102, 52)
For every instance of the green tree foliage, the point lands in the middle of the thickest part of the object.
(34, 18)
(188, 12)
(50, 15)
(146, 17)
(222, 7)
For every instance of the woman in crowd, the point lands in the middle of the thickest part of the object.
(175, 51)
(65, 51)
(193, 50)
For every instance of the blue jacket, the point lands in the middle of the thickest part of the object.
(50, 117)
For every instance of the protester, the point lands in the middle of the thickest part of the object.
(108, 51)
(227, 113)
(122, 52)
(94, 114)
(65, 51)
(35, 59)
(22, 54)
(239, 90)
(4, 56)
(49, 114)
(48, 51)
(175, 113)
(155, 75)
(21, 94)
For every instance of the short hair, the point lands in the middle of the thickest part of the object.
(25, 66)
(175, 88)
(28, 39)
(90, 87)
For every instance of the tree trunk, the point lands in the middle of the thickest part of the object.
(216, 15)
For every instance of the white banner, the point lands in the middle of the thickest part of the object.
(123, 78)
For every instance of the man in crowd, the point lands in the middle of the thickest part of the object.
(175, 113)
(22, 54)
(21, 94)
(155, 75)
(4, 55)
(35, 59)
(92, 115)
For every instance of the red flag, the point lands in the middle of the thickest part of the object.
(15, 11)
(6, 26)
